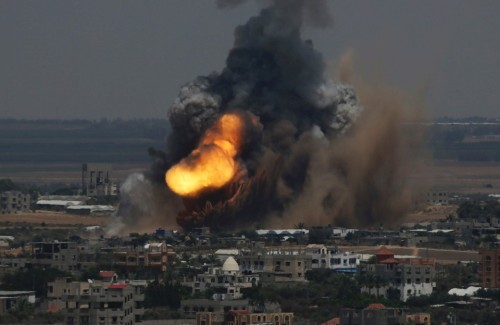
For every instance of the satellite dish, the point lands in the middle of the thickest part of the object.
(90, 281)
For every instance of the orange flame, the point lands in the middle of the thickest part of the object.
(212, 164)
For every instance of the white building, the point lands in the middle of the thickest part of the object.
(225, 281)
(323, 257)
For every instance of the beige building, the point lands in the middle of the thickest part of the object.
(276, 264)
(14, 202)
(60, 255)
(225, 281)
(104, 303)
(243, 317)
(152, 256)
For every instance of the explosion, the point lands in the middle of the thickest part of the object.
(300, 148)
(213, 163)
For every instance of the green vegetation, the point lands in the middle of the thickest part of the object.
(35, 279)
(77, 141)
(477, 209)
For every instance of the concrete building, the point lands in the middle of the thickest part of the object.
(438, 197)
(14, 202)
(489, 267)
(191, 307)
(374, 314)
(104, 303)
(323, 257)
(404, 277)
(226, 281)
(60, 255)
(151, 256)
(97, 180)
(243, 317)
(275, 265)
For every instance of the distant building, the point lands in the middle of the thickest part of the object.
(225, 281)
(374, 314)
(90, 209)
(151, 256)
(97, 180)
(243, 317)
(14, 202)
(323, 257)
(489, 267)
(418, 318)
(105, 303)
(437, 197)
(276, 265)
(59, 203)
(60, 255)
(402, 277)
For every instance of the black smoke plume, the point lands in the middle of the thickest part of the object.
(321, 158)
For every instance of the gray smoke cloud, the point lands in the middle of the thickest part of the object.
(319, 160)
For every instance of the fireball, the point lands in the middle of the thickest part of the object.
(213, 163)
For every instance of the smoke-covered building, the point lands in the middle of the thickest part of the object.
(97, 180)
(14, 202)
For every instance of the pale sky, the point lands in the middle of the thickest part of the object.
(127, 58)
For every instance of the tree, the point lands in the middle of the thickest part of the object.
(35, 279)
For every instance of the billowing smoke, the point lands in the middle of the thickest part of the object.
(319, 159)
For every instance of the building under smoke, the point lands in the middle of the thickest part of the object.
(97, 180)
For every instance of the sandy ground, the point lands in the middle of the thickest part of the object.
(460, 177)
(430, 213)
(54, 218)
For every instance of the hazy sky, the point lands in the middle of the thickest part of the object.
(95, 59)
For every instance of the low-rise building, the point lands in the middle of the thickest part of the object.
(104, 303)
(14, 202)
(276, 264)
(323, 257)
(151, 256)
(56, 254)
(402, 277)
(374, 314)
(226, 282)
(243, 317)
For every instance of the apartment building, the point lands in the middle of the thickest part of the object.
(323, 257)
(226, 281)
(14, 202)
(97, 180)
(60, 255)
(274, 265)
(489, 270)
(151, 256)
(405, 277)
(243, 317)
(104, 303)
